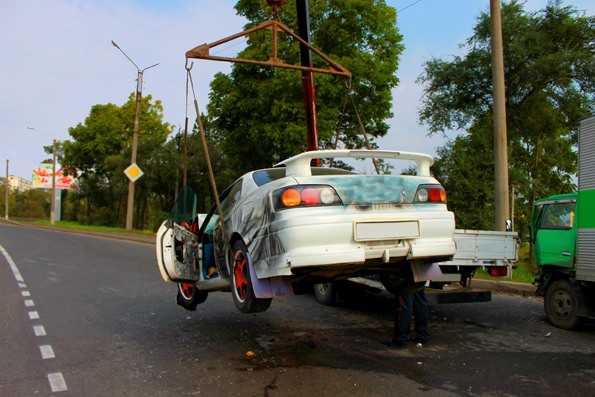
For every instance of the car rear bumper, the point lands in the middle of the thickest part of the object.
(307, 238)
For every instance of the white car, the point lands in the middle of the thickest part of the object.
(294, 225)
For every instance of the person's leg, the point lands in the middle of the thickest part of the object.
(421, 312)
(403, 319)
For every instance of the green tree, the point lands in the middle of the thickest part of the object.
(30, 204)
(550, 79)
(258, 113)
(100, 151)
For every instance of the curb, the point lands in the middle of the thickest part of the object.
(111, 235)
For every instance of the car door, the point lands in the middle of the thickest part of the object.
(555, 235)
(177, 242)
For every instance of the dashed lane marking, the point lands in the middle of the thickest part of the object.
(39, 330)
(56, 379)
(57, 382)
(46, 352)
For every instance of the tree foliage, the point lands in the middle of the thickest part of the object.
(550, 78)
(100, 151)
(258, 113)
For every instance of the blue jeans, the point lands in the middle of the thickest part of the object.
(415, 305)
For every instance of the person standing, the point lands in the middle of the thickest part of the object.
(409, 305)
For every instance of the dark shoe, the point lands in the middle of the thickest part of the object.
(423, 341)
(394, 343)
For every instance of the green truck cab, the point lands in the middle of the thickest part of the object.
(563, 236)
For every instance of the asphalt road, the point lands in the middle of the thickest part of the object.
(89, 316)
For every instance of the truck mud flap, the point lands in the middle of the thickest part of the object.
(437, 297)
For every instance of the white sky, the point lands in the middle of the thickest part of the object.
(57, 61)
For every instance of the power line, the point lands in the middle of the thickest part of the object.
(406, 7)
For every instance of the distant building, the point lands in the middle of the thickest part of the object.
(18, 184)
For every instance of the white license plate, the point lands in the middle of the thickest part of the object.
(386, 230)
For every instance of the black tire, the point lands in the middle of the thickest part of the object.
(561, 305)
(241, 283)
(189, 296)
(325, 293)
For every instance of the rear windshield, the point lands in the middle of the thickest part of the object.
(263, 177)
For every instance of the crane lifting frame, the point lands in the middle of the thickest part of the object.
(203, 51)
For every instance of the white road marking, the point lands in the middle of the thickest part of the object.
(39, 330)
(46, 352)
(57, 382)
(56, 379)
(13, 266)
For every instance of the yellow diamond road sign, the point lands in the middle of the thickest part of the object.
(133, 172)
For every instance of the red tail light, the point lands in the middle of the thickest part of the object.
(304, 196)
(498, 271)
(430, 194)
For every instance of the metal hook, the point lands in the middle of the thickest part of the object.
(275, 5)
(191, 64)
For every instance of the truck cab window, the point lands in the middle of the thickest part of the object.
(557, 216)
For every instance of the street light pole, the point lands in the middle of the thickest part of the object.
(139, 95)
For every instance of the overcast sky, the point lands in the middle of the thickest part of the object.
(57, 61)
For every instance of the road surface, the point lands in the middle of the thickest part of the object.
(88, 316)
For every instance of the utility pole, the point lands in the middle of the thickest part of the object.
(53, 197)
(139, 95)
(53, 200)
(500, 133)
(6, 193)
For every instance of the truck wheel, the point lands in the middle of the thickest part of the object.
(189, 296)
(325, 293)
(561, 305)
(241, 283)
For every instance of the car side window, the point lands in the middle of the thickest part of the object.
(558, 216)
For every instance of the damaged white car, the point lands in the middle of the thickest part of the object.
(294, 225)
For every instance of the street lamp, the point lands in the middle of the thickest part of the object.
(139, 94)
(53, 198)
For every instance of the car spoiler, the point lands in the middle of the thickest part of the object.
(299, 165)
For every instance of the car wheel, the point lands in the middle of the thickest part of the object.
(242, 291)
(561, 305)
(325, 293)
(189, 296)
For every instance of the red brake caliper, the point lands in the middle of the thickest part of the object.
(188, 289)
(240, 279)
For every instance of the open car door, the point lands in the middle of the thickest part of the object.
(177, 243)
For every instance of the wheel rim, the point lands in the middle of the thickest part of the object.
(240, 275)
(187, 290)
(323, 288)
(562, 304)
